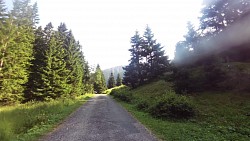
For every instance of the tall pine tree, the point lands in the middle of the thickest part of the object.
(111, 81)
(118, 80)
(74, 60)
(16, 51)
(147, 61)
(156, 61)
(54, 72)
(133, 72)
(35, 86)
(88, 86)
(99, 80)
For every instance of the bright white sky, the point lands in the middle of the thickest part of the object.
(104, 27)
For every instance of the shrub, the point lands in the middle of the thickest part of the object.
(124, 97)
(142, 105)
(173, 106)
(122, 94)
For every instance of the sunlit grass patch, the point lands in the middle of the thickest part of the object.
(108, 91)
(31, 120)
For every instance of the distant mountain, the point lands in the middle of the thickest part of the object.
(115, 70)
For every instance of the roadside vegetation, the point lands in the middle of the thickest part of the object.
(215, 115)
(29, 121)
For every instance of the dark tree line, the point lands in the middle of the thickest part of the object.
(147, 62)
(112, 82)
(203, 60)
(38, 63)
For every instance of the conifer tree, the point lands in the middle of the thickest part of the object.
(54, 73)
(73, 60)
(16, 51)
(118, 80)
(147, 60)
(156, 62)
(25, 13)
(111, 81)
(5, 32)
(35, 85)
(133, 74)
(88, 86)
(99, 80)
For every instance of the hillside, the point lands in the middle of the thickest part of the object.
(115, 70)
(219, 115)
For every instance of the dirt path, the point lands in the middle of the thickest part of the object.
(100, 119)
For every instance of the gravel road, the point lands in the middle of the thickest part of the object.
(100, 119)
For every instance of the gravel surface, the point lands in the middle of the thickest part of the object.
(100, 119)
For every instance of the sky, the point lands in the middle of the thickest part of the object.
(104, 27)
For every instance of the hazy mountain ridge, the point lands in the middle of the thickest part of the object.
(115, 70)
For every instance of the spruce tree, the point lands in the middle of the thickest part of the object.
(16, 51)
(147, 62)
(133, 73)
(111, 81)
(86, 79)
(74, 60)
(54, 74)
(5, 33)
(25, 13)
(99, 80)
(118, 80)
(34, 84)
(156, 61)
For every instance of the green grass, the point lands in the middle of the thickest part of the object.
(220, 116)
(108, 91)
(30, 121)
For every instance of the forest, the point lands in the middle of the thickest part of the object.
(201, 94)
(36, 63)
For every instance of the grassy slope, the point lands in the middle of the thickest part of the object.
(30, 121)
(222, 116)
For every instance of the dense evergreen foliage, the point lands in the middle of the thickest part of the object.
(99, 80)
(147, 62)
(118, 80)
(16, 50)
(37, 63)
(111, 81)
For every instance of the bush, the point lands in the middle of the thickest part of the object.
(124, 97)
(173, 106)
(142, 105)
(122, 94)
